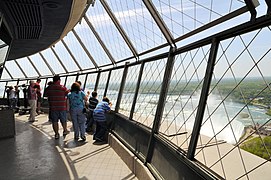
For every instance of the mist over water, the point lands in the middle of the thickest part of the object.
(224, 120)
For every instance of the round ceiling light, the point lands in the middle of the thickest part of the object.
(51, 5)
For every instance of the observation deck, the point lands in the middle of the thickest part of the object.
(189, 80)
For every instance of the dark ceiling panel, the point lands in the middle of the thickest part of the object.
(27, 18)
(34, 24)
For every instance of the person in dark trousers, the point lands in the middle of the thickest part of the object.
(93, 101)
(99, 117)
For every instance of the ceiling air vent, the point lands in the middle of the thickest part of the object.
(27, 18)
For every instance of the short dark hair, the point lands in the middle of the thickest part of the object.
(94, 94)
(106, 99)
(56, 78)
(38, 80)
(50, 83)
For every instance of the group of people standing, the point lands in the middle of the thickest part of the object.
(76, 102)
(34, 99)
(33, 93)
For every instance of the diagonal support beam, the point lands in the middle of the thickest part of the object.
(100, 40)
(69, 51)
(34, 66)
(160, 23)
(48, 65)
(203, 99)
(59, 60)
(16, 62)
(118, 26)
(85, 49)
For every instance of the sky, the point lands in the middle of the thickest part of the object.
(180, 17)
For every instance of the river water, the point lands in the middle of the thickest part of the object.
(224, 120)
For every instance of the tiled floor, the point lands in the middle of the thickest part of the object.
(35, 154)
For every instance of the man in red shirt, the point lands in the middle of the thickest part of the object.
(56, 94)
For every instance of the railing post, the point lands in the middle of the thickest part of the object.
(203, 99)
(137, 89)
(97, 80)
(77, 77)
(107, 82)
(123, 80)
(161, 103)
(85, 82)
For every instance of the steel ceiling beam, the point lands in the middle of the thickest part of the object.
(160, 22)
(118, 26)
(48, 65)
(69, 51)
(16, 62)
(85, 49)
(8, 72)
(100, 40)
(59, 60)
(33, 66)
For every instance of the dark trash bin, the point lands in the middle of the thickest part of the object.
(7, 123)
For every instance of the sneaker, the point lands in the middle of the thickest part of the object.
(76, 138)
(57, 136)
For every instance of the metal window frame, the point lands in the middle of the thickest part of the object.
(137, 90)
(123, 81)
(203, 99)
(161, 105)
(107, 82)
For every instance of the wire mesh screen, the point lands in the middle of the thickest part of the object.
(182, 17)
(77, 50)
(108, 32)
(53, 61)
(82, 79)
(102, 84)
(129, 90)
(70, 80)
(236, 125)
(90, 82)
(137, 22)
(183, 96)
(113, 86)
(149, 90)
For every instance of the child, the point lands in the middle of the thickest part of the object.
(93, 101)
(99, 117)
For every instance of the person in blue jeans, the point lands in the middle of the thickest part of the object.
(77, 99)
(99, 117)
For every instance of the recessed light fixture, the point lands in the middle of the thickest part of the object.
(51, 5)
